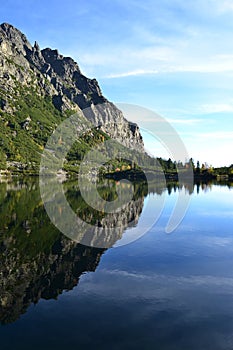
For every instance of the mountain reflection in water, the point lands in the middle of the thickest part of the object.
(36, 260)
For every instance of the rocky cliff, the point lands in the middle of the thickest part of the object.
(38, 89)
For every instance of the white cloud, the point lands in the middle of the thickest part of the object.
(134, 64)
(217, 135)
(215, 108)
(208, 67)
(185, 121)
(132, 73)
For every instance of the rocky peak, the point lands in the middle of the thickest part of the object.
(48, 73)
(65, 67)
(36, 47)
(15, 37)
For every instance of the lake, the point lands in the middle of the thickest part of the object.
(162, 291)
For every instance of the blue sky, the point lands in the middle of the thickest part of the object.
(172, 56)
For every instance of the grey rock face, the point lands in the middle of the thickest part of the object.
(60, 77)
(17, 39)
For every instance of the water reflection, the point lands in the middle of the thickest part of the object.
(36, 261)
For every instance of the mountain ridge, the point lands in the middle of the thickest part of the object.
(38, 89)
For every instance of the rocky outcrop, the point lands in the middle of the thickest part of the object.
(50, 74)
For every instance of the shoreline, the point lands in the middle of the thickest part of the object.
(135, 175)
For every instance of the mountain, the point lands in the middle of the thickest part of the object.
(38, 90)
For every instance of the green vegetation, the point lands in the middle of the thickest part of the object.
(24, 133)
(170, 170)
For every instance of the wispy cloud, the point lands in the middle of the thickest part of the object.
(215, 108)
(220, 135)
(176, 67)
(185, 121)
(134, 64)
(136, 72)
(164, 41)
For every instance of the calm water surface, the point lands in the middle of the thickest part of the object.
(161, 292)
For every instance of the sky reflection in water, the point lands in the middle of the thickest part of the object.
(160, 292)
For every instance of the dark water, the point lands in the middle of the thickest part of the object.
(160, 292)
